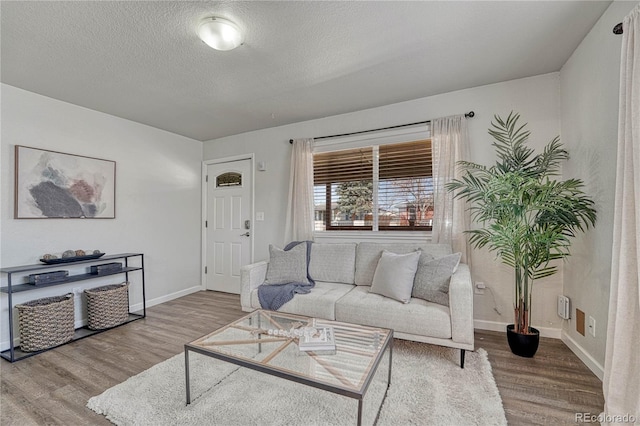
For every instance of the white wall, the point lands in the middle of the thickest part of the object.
(535, 98)
(157, 195)
(589, 114)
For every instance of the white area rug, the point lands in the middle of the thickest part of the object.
(427, 388)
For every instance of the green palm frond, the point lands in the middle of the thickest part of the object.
(548, 163)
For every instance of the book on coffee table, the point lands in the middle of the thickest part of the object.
(317, 339)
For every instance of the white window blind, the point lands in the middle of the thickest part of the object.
(385, 187)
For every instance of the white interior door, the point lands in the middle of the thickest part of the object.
(229, 223)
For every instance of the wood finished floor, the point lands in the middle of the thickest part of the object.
(52, 388)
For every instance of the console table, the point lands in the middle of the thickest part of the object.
(14, 353)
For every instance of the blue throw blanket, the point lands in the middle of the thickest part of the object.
(273, 296)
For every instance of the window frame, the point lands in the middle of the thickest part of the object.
(372, 140)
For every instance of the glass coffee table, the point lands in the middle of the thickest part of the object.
(265, 341)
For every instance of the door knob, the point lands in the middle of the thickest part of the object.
(246, 234)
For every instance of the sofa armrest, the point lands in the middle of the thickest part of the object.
(251, 276)
(461, 305)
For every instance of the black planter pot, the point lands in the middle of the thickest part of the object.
(524, 345)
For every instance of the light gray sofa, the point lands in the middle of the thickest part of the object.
(343, 273)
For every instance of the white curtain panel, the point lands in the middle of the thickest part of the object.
(449, 143)
(299, 225)
(621, 383)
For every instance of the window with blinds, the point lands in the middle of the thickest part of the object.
(386, 187)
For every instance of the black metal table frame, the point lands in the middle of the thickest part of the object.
(10, 354)
(273, 371)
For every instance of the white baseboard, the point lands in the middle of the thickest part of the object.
(133, 308)
(584, 356)
(554, 333)
(167, 297)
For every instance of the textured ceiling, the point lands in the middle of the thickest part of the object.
(142, 60)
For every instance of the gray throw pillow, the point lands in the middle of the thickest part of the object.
(395, 274)
(287, 266)
(432, 279)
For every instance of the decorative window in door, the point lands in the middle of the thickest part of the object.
(228, 179)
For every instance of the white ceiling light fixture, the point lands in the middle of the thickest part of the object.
(220, 34)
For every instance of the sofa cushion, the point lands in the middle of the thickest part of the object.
(432, 279)
(319, 303)
(419, 317)
(287, 266)
(395, 274)
(368, 254)
(335, 263)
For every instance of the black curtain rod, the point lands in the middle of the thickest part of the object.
(470, 114)
(618, 29)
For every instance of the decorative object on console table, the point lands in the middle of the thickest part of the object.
(318, 340)
(48, 277)
(105, 268)
(107, 306)
(45, 323)
(52, 259)
(530, 217)
(53, 184)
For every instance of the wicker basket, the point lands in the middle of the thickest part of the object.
(107, 306)
(45, 323)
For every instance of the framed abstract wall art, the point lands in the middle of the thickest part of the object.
(51, 184)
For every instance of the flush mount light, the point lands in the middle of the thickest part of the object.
(220, 34)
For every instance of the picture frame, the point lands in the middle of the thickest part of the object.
(57, 185)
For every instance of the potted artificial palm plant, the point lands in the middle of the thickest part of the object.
(527, 216)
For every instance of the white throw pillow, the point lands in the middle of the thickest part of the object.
(394, 275)
(287, 266)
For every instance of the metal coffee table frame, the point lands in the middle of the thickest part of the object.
(386, 343)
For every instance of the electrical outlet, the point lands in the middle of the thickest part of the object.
(592, 326)
(479, 289)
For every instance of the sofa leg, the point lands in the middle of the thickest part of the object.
(461, 358)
